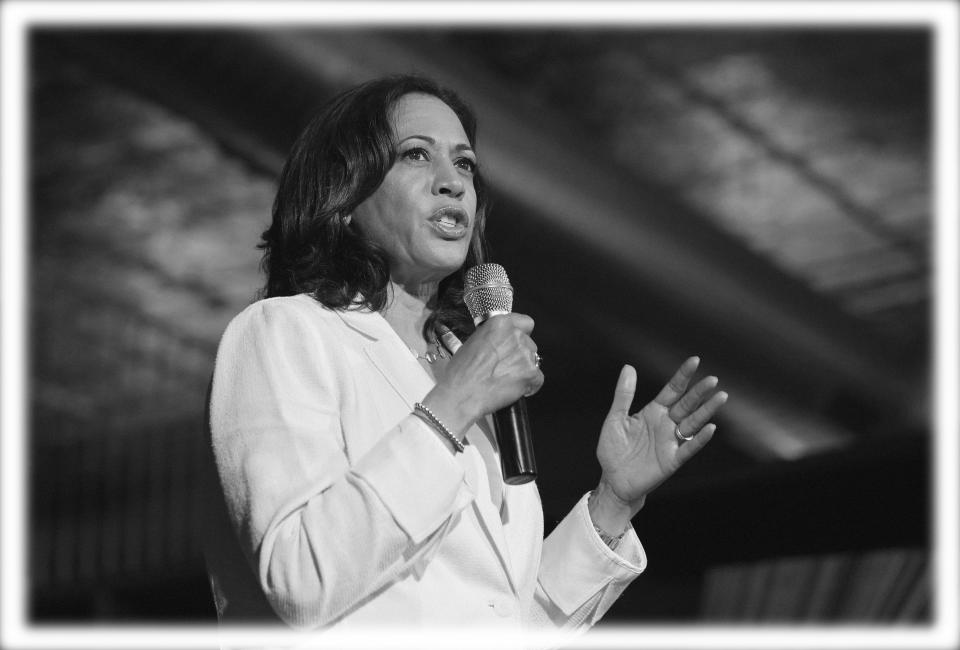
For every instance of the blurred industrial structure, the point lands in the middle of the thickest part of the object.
(760, 198)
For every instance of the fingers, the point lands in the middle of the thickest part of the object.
(691, 408)
(520, 321)
(510, 335)
(677, 385)
(699, 420)
(534, 387)
(517, 327)
(691, 399)
(624, 392)
(688, 449)
(536, 383)
(517, 349)
(496, 366)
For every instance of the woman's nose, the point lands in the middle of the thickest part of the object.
(447, 180)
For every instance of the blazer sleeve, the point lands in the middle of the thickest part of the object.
(321, 535)
(580, 577)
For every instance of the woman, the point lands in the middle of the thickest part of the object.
(359, 472)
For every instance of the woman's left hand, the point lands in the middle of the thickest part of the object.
(638, 452)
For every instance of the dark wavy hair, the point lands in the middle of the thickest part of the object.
(337, 162)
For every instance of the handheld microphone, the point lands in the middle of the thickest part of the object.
(487, 292)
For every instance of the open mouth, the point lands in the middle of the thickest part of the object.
(451, 222)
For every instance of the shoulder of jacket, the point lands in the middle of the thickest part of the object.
(284, 311)
(298, 305)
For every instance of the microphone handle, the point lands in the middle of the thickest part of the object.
(512, 429)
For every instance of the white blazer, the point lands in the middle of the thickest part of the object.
(350, 511)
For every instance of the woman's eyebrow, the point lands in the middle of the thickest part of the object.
(463, 146)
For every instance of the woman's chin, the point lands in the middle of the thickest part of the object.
(433, 269)
(450, 255)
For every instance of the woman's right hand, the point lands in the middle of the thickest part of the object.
(494, 368)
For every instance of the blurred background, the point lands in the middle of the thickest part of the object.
(758, 197)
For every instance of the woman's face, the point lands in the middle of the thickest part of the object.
(424, 212)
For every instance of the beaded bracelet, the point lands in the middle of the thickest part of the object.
(435, 422)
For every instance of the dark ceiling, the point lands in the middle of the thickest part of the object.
(759, 198)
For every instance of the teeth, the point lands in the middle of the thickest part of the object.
(448, 221)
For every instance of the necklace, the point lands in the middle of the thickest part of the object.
(430, 356)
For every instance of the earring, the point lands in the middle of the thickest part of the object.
(347, 219)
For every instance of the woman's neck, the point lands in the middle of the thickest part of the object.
(408, 308)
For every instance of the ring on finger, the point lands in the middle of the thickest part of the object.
(680, 437)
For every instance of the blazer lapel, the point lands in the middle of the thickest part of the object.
(410, 381)
(489, 517)
(389, 355)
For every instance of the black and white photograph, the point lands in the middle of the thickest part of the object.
(514, 325)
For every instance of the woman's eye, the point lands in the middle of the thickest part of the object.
(416, 153)
(467, 165)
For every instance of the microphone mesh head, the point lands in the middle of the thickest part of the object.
(487, 291)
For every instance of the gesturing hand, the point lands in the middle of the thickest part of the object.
(638, 452)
